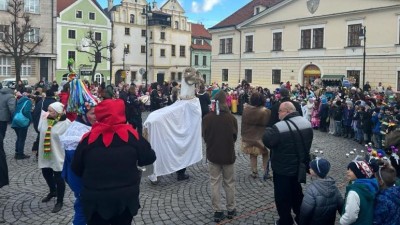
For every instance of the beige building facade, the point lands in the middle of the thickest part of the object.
(300, 40)
(40, 66)
(169, 40)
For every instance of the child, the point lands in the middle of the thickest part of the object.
(322, 198)
(360, 194)
(387, 202)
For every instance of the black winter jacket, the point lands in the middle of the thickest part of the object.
(284, 154)
(321, 201)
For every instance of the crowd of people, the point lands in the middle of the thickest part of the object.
(77, 122)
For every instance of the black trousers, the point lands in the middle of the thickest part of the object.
(55, 182)
(124, 219)
(288, 196)
(181, 171)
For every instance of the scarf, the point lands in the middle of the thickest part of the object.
(47, 138)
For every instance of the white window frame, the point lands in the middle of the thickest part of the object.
(3, 31)
(312, 27)
(32, 6)
(246, 50)
(95, 36)
(93, 14)
(74, 34)
(76, 14)
(3, 5)
(26, 68)
(5, 66)
(398, 30)
(99, 78)
(351, 22)
(33, 35)
(277, 31)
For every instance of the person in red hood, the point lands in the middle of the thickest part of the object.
(64, 95)
(107, 158)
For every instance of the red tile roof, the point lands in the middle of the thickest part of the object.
(244, 13)
(205, 47)
(198, 30)
(63, 4)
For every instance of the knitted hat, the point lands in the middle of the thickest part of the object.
(361, 169)
(57, 106)
(320, 166)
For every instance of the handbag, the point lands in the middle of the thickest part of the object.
(303, 165)
(20, 119)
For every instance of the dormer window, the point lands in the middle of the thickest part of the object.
(199, 42)
(257, 10)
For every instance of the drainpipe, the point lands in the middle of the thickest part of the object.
(52, 40)
(240, 52)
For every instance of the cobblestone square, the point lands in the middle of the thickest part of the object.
(169, 202)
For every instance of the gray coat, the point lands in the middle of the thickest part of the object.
(321, 201)
(7, 104)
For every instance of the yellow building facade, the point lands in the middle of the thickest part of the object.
(299, 40)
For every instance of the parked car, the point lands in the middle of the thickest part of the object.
(10, 82)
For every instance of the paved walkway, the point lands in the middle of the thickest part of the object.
(170, 202)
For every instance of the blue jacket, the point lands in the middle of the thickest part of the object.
(387, 207)
(376, 129)
(26, 111)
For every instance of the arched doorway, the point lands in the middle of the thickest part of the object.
(310, 73)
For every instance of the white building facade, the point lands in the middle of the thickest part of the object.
(168, 35)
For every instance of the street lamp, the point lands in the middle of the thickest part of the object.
(126, 51)
(363, 36)
(147, 12)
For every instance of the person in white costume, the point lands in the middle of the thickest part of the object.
(51, 155)
(174, 132)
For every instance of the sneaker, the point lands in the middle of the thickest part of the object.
(49, 197)
(231, 214)
(267, 177)
(57, 207)
(254, 175)
(219, 216)
(183, 177)
(23, 156)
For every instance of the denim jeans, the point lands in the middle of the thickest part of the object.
(360, 134)
(338, 127)
(21, 137)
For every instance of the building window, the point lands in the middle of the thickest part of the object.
(306, 39)
(127, 31)
(71, 55)
(32, 6)
(353, 35)
(151, 35)
(132, 18)
(71, 34)
(3, 31)
(3, 4)
(133, 76)
(249, 43)
(312, 38)
(143, 33)
(92, 16)
(248, 75)
(225, 75)
(173, 76)
(204, 60)
(277, 41)
(354, 77)
(225, 46)
(257, 10)
(78, 14)
(97, 36)
(173, 50)
(162, 35)
(398, 80)
(176, 25)
(276, 76)
(162, 52)
(26, 68)
(198, 41)
(196, 60)
(5, 66)
(182, 51)
(99, 78)
(142, 49)
(33, 35)
(179, 76)
(151, 52)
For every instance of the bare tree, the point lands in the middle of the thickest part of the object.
(20, 38)
(94, 47)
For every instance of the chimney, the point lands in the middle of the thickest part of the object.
(110, 4)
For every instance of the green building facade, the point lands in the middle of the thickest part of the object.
(75, 19)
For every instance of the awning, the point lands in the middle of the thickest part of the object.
(333, 77)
